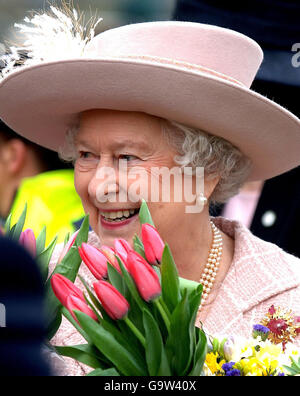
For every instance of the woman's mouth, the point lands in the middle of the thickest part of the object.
(117, 218)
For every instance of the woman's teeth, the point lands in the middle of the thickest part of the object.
(119, 215)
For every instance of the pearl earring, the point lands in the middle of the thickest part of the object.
(201, 199)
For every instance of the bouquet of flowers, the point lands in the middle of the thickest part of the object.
(269, 352)
(139, 319)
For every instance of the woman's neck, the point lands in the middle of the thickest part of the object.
(191, 251)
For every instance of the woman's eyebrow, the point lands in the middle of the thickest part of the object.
(130, 143)
(117, 144)
(84, 143)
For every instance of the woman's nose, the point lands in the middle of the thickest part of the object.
(103, 186)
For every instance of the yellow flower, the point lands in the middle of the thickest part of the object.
(263, 362)
(214, 363)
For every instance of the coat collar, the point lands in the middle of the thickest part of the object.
(259, 271)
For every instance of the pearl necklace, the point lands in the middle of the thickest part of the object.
(213, 262)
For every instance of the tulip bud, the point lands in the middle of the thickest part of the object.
(94, 259)
(76, 303)
(229, 348)
(145, 277)
(62, 287)
(114, 303)
(27, 239)
(110, 256)
(68, 246)
(122, 248)
(153, 244)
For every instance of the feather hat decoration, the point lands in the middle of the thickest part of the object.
(49, 36)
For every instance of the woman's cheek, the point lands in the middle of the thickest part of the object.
(81, 182)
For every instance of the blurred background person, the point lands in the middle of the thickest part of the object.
(36, 176)
(22, 327)
(272, 209)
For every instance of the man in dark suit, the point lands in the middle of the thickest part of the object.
(22, 327)
(275, 26)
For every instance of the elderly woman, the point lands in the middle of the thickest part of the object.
(165, 95)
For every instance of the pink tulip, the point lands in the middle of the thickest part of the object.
(111, 258)
(63, 288)
(114, 303)
(122, 248)
(68, 246)
(94, 259)
(145, 277)
(153, 244)
(27, 239)
(76, 303)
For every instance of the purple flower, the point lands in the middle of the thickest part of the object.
(261, 331)
(233, 373)
(261, 328)
(228, 366)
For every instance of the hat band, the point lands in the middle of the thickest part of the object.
(186, 65)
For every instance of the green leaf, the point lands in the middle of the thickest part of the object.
(123, 360)
(291, 372)
(44, 258)
(180, 353)
(188, 284)
(53, 324)
(294, 369)
(169, 280)
(138, 246)
(144, 214)
(116, 279)
(67, 237)
(82, 353)
(7, 224)
(199, 355)
(111, 372)
(40, 241)
(17, 229)
(70, 318)
(83, 234)
(156, 358)
(194, 299)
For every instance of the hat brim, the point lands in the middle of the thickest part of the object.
(41, 102)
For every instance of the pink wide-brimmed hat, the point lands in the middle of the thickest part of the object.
(192, 73)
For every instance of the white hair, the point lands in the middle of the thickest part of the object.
(195, 148)
(217, 156)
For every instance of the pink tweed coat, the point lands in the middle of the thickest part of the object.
(261, 274)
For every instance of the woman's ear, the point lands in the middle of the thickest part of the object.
(210, 185)
(13, 155)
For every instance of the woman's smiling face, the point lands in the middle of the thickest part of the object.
(108, 144)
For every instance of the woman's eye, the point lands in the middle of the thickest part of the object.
(127, 157)
(85, 155)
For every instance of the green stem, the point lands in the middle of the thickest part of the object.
(136, 331)
(163, 314)
(164, 305)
